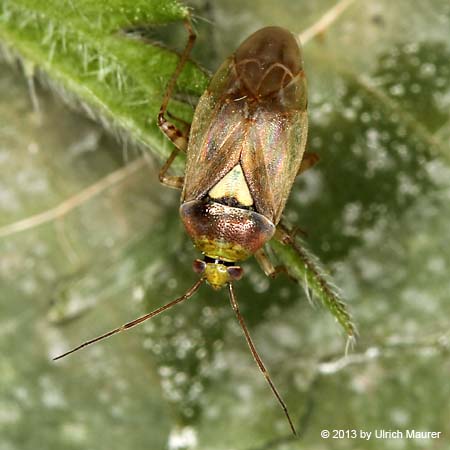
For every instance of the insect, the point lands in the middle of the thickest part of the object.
(244, 150)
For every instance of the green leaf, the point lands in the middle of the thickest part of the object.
(304, 267)
(84, 52)
(90, 240)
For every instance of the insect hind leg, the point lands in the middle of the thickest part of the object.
(178, 137)
(173, 133)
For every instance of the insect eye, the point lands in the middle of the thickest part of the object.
(235, 272)
(199, 266)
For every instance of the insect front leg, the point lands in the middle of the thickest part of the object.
(178, 137)
(267, 266)
(284, 233)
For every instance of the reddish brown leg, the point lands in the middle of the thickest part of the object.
(284, 234)
(309, 160)
(267, 266)
(179, 138)
(184, 122)
(170, 180)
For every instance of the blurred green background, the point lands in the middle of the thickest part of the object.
(376, 212)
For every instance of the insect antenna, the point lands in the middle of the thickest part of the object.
(257, 358)
(189, 293)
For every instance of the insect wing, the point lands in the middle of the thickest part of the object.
(216, 137)
(266, 134)
(269, 64)
(272, 158)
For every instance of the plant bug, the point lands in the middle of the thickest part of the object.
(245, 147)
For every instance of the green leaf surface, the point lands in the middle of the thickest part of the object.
(90, 240)
(83, 50)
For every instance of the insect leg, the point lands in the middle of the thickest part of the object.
(179, 138)
(256, 356)
(182, 121)
(267, 266)
(285, 234)
(166, 126)
(170, 180)
(137, 321)
(309, 160)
